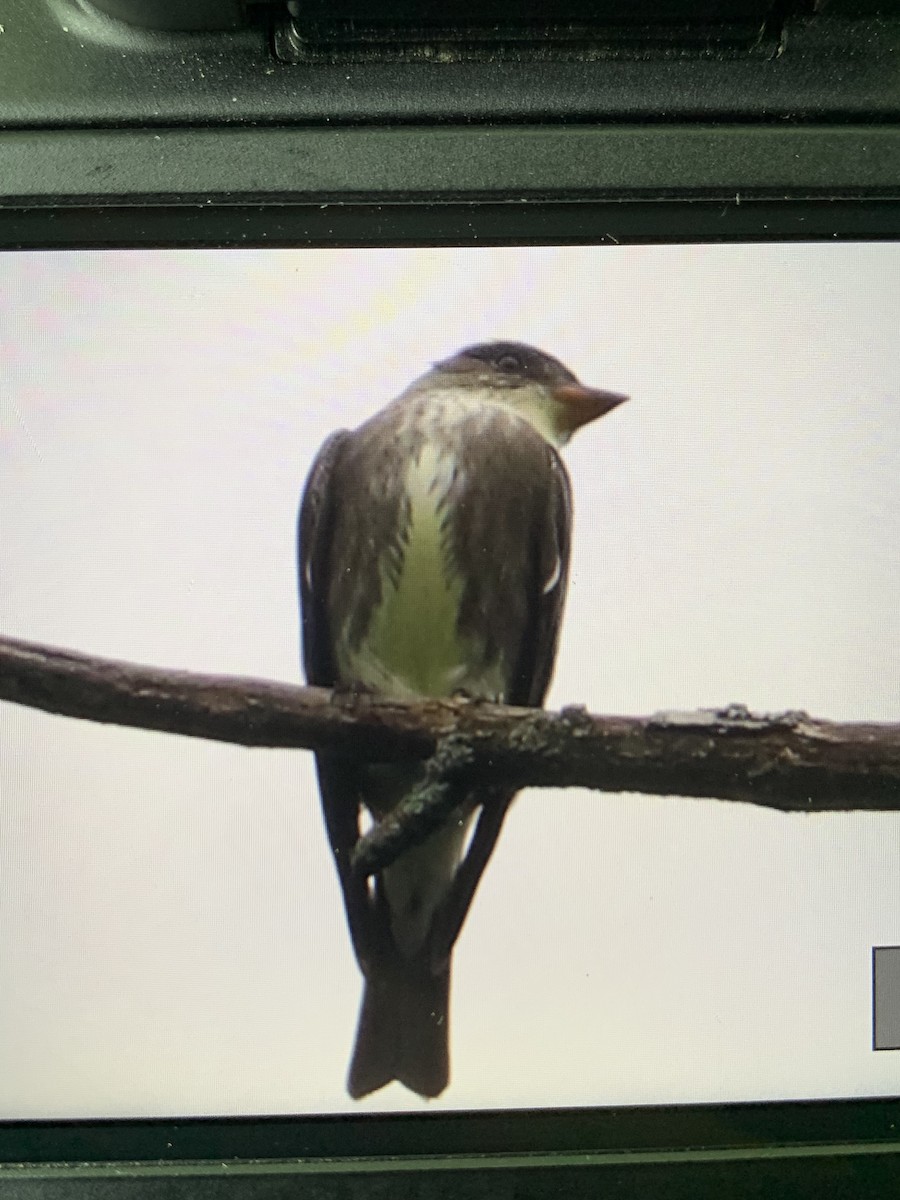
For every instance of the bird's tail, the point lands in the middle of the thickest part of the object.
(403, 1029)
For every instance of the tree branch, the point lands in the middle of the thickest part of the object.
(787, 761)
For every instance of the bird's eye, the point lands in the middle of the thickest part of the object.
(508, 363)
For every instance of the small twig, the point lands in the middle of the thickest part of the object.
(444, 783)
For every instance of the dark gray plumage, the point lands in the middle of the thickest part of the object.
(433, 559)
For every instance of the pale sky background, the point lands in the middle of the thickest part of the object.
(172, 939)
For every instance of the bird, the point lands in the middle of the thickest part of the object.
(433, 558)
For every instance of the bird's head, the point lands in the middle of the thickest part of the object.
(531, 383)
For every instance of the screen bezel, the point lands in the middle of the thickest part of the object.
(798, 1148)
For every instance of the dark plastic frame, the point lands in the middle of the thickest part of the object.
(828, 1148)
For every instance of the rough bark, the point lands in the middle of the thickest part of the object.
(788, 761)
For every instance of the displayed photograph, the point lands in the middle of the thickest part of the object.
(654, 490)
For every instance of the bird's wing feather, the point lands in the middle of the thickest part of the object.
(552, 542)
(314, 538)
(338, 778)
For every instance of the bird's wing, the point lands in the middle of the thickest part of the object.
(314, 541)
(552, 536)
(338, 777)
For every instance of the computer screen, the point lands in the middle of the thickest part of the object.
(172, 931)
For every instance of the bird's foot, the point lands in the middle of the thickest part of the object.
(350, 695)
(463, 696)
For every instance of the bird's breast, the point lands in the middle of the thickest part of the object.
(413, 646)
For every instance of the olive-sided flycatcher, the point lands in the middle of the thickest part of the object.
(433, 558)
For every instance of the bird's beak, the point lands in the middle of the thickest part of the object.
(581, 405)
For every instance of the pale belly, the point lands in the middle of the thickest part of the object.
(413, 646)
